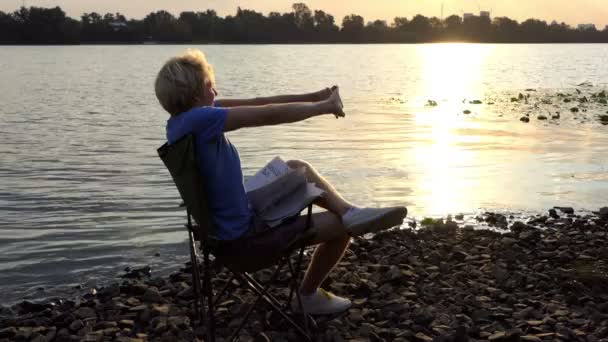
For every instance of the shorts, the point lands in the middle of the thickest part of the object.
(264, 241)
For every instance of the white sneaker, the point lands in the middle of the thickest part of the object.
(360, 221)
(321, 303)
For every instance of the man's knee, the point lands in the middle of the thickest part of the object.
(297, 163)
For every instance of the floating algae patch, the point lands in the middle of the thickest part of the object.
(552, 106)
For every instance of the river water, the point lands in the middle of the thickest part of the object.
(83, 194)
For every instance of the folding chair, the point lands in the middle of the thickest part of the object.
(180, 158)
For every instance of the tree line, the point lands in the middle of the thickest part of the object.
(37, 25)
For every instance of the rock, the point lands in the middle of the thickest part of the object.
(524, 119)
(565, 210)
(423, 338)
(105, 324)
(76, 325)
(186, 293)
(261, 337)
(553, 214)
(126, 323)
(459, 256)
(8, 333)
(27, 307)
(152, 295)
(394, 273)
(85, 312)
(501, 275)
(507, 241)
(518, 226)
(423, 317)
(603, 213)
(138, 308)
(498, 336)
(530, 235)
(523, 314)
(160, 310)
(109, 291)
(179, 321)
(134, 273)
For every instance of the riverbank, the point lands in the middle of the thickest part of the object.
(545, 279)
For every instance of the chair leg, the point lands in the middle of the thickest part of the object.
(196, 278)
(223, 292)
(262, 292)
(305, 317)
(296, 275)
(208, 288)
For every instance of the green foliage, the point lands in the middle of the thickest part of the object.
(428, 221)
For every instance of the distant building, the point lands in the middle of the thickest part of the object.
(118, 25)
(586, 27)
(467, 16)
(484, 14)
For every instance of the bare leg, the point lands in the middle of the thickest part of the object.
(332, 241)
(331, 200)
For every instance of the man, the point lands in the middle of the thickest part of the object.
(185, 87)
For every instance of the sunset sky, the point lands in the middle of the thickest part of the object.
(570, 11)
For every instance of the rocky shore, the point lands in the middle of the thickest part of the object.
(544, 279)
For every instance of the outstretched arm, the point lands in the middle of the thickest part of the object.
(262, 101)
(275, 114)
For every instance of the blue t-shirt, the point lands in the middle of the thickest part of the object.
(220, 167)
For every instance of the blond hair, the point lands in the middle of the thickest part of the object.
(181, 80)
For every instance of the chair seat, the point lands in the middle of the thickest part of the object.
(246, 260)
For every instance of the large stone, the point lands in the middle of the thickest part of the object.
(423, 337)
(152, 295)
(126, 323)
(604, 213)
(8, 333)
(179, 321)
(85, 312)
(76, 325)
(565, 210)
(423, 317)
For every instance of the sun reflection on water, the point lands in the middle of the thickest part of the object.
(451, 73)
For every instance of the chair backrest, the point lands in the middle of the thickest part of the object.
(180, 158)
